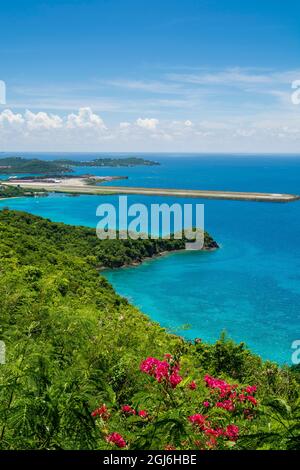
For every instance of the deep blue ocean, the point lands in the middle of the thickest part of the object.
(250, 287)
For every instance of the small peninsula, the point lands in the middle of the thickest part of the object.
(7, 192)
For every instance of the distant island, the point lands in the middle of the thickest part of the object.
(111, 162)
(19, 165)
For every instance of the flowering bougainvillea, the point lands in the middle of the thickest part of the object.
(166, 370)
(117, 439)
(102, 411)
(192, 385)
(211, 417)
(231, 397)
(128, 410)
(143, 414)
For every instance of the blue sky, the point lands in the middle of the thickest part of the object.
(192, 75)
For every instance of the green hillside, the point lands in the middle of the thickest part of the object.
(85, 369)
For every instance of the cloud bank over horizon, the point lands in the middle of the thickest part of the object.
(229, 110)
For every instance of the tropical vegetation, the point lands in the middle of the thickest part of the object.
(17, 191)
(84, 369)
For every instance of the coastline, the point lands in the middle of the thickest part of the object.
(156, 256)
(14, 197)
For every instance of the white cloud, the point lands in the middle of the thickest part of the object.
(85, 130)
(147, 123)
(85, 119)
(8, 118)
(147, 86)
(42, 120)
(235, 76)
(124, 125)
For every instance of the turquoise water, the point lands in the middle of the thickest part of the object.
(250, 287)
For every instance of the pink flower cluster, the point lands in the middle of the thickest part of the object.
(210, 431)
(143, 414)
(223, 387)
(102, 412)
(162, 370)
(226, 405)
(228, 396)
(251, 389)
(128, 410)
(198, 420)
(116, 439)
(192, 385)
(231, 432)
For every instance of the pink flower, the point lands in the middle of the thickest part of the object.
(161, 371)
(206, 404)
(252, 400)
(198, 420)
(214, 432)
(148, 365)
(193, 385)
(128, 410)
(156, 368)
(221, 386)
(117, 439)
(232, 432)
(143, 414)
(102, 412)
(243, 397)
(251, 389)
(226, 405)
(175, 379)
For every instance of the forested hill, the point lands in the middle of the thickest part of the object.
(83, 242)
(19, 165)
(86, 370)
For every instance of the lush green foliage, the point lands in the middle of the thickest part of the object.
(16, 191)
(73, 344)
